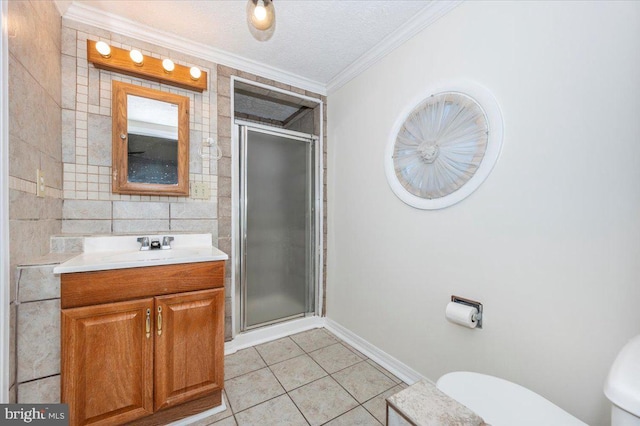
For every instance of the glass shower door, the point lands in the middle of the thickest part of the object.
(277, 241)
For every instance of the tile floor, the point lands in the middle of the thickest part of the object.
(310, 378)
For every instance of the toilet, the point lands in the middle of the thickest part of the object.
(503, 403)
(622, 386)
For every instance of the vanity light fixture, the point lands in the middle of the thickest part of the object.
(103, 49)
(168, 65)
(136, 57)
(136, 64)
(261, 19)
(195, 73)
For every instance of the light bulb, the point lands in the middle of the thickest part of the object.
(136, 57)
(195, 73)
(260, 12)
(168, 65)
(103, 49)
(261, 18)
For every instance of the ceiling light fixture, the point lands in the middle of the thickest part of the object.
(261, 19)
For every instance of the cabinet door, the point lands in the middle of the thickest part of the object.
(189, 346)
(107, 362)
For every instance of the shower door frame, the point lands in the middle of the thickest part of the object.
(243, 128)
(235, 197)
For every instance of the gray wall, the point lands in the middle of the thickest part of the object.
(550, 242)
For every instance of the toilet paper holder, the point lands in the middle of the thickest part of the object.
(469, 302)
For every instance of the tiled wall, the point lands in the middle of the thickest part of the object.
(89, 205)
(34, 143)
(38, 337)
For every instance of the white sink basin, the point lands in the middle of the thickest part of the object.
(118, 252)
(153, 255)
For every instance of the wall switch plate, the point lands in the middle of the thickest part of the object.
(40, 186)
(200, 190)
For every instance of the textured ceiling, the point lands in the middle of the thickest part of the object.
(315, 40)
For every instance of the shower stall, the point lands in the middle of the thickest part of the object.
(277, 225)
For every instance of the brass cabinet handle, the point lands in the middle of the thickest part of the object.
(148, 323)
(159, 320)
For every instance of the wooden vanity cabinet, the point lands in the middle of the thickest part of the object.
(188, 359)
(150, 360)
(107, 363)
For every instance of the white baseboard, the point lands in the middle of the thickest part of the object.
(267, 334)
(193, 419)
(391, 364)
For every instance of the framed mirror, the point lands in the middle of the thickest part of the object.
(150, 141)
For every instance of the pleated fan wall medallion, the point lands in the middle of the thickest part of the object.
(444, 147)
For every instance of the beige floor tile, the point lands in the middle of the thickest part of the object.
(280, 411)
(229, 421)
(251, 389)
(279, 350)
(297, 372)
(363, 381)
(356, 417)
(385, 372)
(378, 404)
(353, 394)
(354, 350)
(314, 339)
(322, 400)
(335, 358)
(242, 362)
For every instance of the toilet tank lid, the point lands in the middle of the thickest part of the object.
(622, 386)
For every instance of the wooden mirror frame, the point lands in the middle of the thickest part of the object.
(121, 184)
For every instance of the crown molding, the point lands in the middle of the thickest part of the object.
(107, 21)
(427, 16)
(114, 23)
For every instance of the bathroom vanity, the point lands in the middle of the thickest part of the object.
(142, 343)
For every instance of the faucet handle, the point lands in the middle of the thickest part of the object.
(166, 242)
(144, 243)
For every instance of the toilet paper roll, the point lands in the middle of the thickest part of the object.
(461, 314)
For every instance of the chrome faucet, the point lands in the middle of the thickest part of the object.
(166, 243)
(144, 243)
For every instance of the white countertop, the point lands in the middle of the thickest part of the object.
(119, 252)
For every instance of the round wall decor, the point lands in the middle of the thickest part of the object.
(444, 148)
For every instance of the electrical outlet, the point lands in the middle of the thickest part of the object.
(200, 190)
(40, 186)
